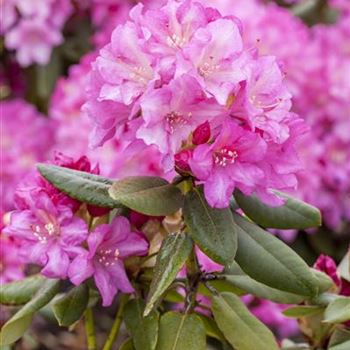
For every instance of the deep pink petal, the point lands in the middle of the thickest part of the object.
(134, 245)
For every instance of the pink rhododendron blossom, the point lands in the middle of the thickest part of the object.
(172, 112)
(108, 246)
(320, 89)
(206, 264)
(124, 66)
(8, 15)
(271, 314)
(21, 147)
(33, 41)
(212, 57)
(265, 100)
(229, 162)
(171, 68)
(49, 234)
(11, 269)
(106, 115)
(33, 28)
(105, 16)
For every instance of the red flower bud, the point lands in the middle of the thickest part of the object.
(327, 265)
(181, 160)
(201, 134)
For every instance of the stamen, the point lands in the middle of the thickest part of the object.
(224, 157)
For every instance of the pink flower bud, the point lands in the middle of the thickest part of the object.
(327, 265)
(181, 160)
(201, 134)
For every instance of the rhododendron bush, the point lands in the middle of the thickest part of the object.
(165, 165)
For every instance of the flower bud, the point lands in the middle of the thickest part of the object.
(201, 134)
(327, 265)
(181, 160)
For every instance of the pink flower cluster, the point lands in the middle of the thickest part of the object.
(11, 268)
(32, 29)
(26, 138)
(178, 78)
(52, 234)
(118, 158)
(316, 62)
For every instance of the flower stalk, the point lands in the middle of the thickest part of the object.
(90, 330)
(113, 334)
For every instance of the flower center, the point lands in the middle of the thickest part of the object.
(260, 103)
(225, 156)
(175, 120)
(108, 257)
(175, 41)
(45, 232)
(208, 67)
(139, 74)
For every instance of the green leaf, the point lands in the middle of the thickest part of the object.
(181, 332)
(85, 187)
(240, 327)
(302, 311)
(143, 330)
(324, 282)
(342, 346)
(294, 214)
(70, 307)
(172, 255)
(14, 328)
(148, 195)
(268, 260)
(127, 345)
(20, 292)
(344, 267)
(212, 229)
(220, 285)
(339, 339)
(235, 275)
(338, 311)
(211, 328)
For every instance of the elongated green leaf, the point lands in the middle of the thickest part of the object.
(171, 257)
(235, 275)
(268, 260)
(342, 346)
(180, 332)
(212, 229)
(211, 328)
(20, 292)
(344, 267)
(144, 330)
(338, 311)
(147, 195)
(287, 344)
(14, 328)
(324, 282)
(70, 307)
(220, 285)
(240, 327)
(85, 187)
(302, 311)
(127, 345)
(339, 337)
(294, 214)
